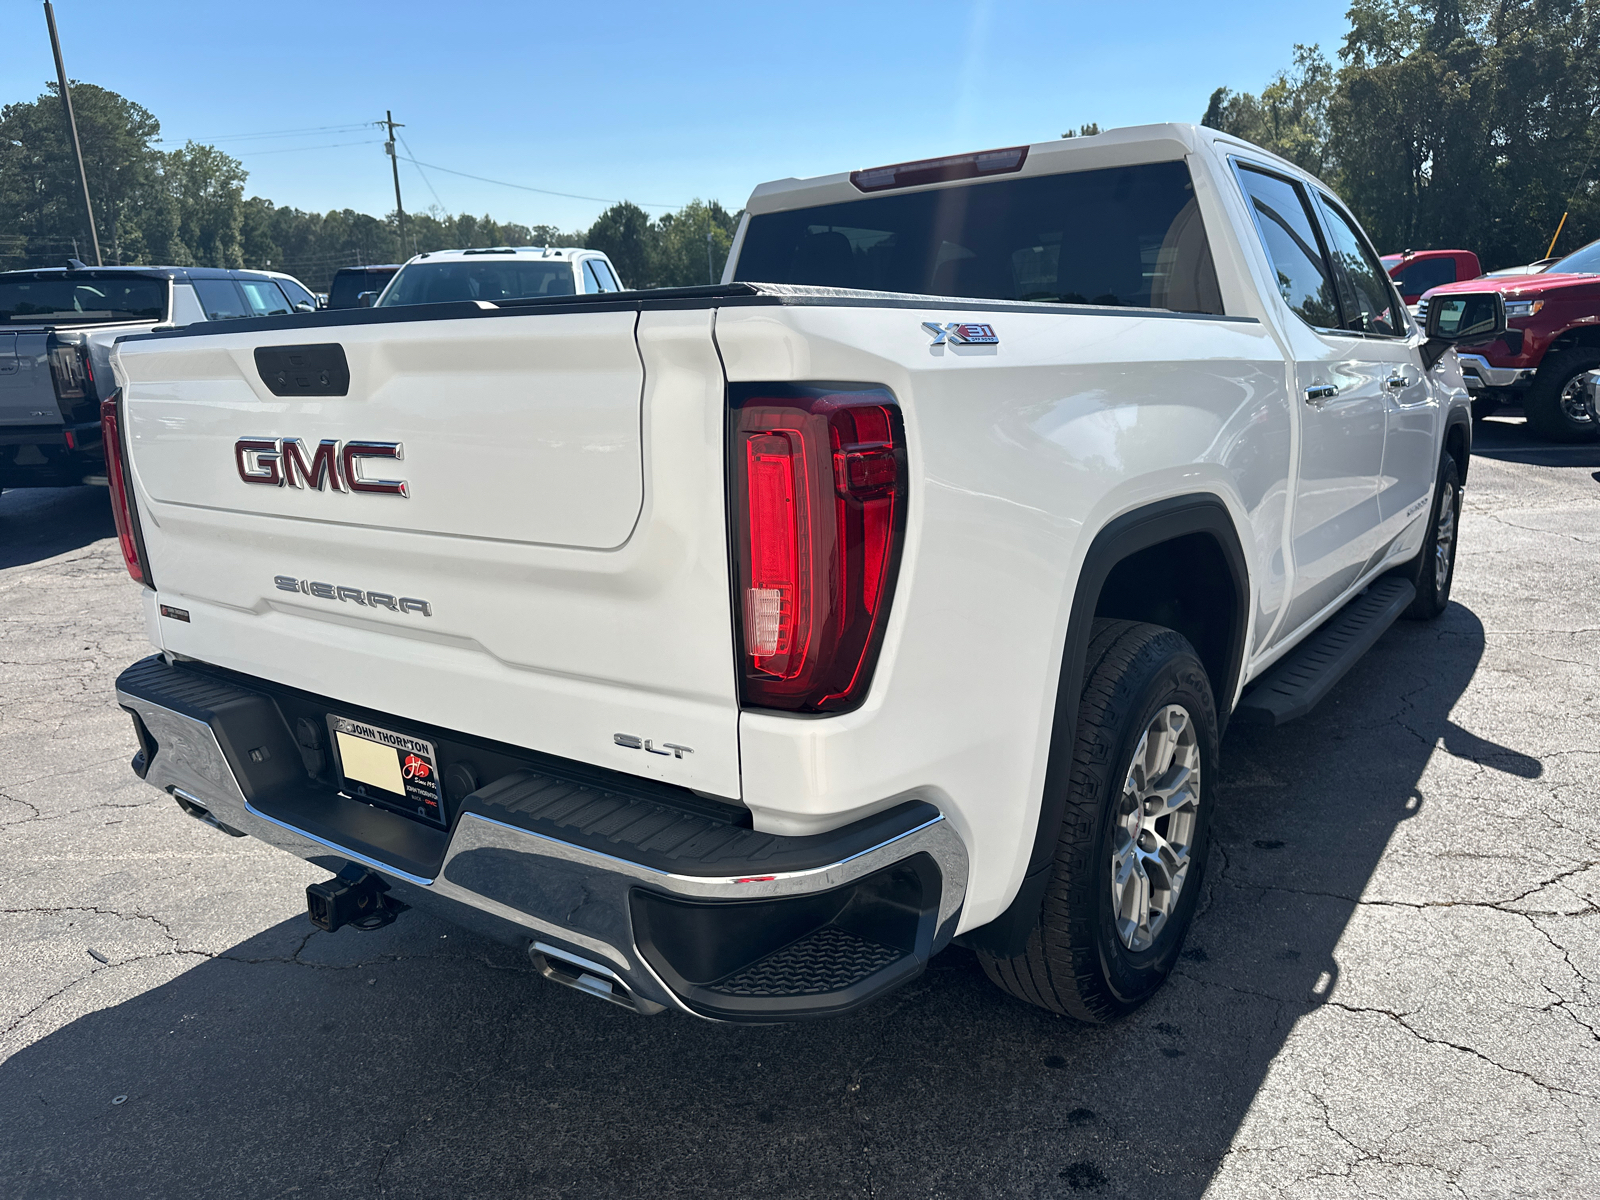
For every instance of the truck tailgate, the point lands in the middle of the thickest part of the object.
(555, 573)
(27, 397)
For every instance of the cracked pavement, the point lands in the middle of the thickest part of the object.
(1389, 989)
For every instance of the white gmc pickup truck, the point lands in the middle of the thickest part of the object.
(733, 649)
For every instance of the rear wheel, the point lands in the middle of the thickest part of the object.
(1555, 403)
(1132, 849)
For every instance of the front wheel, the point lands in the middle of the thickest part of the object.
(1556, 403)
(1435, 566)
(1132, 850)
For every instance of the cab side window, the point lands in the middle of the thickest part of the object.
(221, 300)
(1369, 302)
(264, 298)
(591, 284)
(1289, 236)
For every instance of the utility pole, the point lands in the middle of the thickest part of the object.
(394, 161)
(72, 127)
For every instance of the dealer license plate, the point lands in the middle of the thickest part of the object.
(391, 769)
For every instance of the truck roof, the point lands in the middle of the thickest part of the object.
(492, 252)
(1109, 148)
(125, 272)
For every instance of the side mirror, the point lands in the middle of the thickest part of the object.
(1462, 319)
(366, 299)
(305, 306)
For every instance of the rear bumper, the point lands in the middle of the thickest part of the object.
(51, 455)
(619, 891)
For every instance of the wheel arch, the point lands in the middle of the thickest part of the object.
(1458, 439)
(1147, 545)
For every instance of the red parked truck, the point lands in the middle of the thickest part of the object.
(1415, 271)
(1551, 345)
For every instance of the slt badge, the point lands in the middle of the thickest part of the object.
(957, 333)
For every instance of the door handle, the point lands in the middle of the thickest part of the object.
(1319, 392)
(1396, 382)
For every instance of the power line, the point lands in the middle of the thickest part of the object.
(423, 173)
(542, 191)
(272, 133)
(300, 149)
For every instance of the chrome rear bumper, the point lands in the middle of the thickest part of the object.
(761, 929)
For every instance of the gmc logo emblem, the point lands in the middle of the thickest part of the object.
(332, 465)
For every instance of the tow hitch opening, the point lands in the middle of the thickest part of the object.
(354, 897)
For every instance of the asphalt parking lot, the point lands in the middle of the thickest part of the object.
(1387, 993)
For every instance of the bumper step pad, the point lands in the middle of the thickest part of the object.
(828, 960)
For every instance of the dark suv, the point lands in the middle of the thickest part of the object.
(351, 283)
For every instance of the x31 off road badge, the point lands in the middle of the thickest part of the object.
(958, 333)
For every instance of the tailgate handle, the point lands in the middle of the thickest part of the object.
(315, 370)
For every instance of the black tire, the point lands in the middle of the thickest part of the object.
(1548, 405)
(1483, 406)
(1432, 573)
(1076, 962)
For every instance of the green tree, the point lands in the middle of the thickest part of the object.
(1450, 123)
(41, 206)
(627, 236)
(692, 244)
(1289, 117)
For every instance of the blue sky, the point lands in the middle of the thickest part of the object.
(657, 103)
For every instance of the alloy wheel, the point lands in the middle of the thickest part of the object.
(1444, 540)
(1574, 399)
(1155, 823)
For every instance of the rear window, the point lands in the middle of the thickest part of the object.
(64, 300)
(1125, 236)
(1429, 273)
(442, 282)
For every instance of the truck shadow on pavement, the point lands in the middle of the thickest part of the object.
(421, 1061)
(41, 523)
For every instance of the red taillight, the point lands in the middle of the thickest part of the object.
(819, 507)
(123, 509)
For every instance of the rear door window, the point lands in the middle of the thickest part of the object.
(608, 281)
(591, 283)
(1294, 248)
(1125, 236)
(265, 298)
(221, 300)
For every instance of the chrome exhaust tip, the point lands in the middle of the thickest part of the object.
(589, 977)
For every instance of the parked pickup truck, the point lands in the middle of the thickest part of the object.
(57, 326)
(1415, 271)
(1544, 360)
(735, 648)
